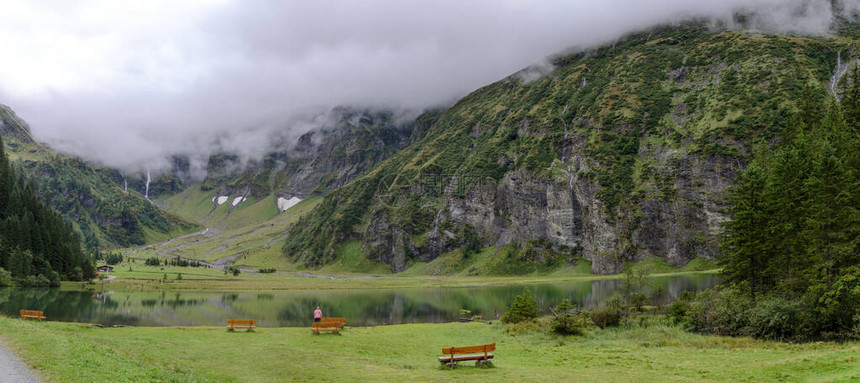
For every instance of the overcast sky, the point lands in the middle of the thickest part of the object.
(126, 83)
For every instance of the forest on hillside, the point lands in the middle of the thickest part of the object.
(791, 254)
(37, 246)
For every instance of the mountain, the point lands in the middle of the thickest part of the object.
(345, 143)
(325, 158)
(622, 152)
(100, 208)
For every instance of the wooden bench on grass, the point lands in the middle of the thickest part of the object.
(481, 354)
(31, 314)
(328, 324)
(249, 324)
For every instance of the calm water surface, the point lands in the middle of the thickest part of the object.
(294, 308)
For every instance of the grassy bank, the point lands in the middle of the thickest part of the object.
(291, 281)
(68, 352)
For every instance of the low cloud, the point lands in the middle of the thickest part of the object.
(130, 83)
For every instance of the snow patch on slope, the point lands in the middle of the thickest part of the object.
(237, 200)
(284, 204)
(220, 199)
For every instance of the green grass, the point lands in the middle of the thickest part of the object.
(701, 264)
(349, 259)
(71, 352)
(483, 263)
(192, 203)
(257, 236)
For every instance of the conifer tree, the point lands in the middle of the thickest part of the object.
(746, 241)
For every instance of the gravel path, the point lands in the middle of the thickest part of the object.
(13, 371)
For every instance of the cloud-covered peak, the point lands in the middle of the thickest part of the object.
(128, 83)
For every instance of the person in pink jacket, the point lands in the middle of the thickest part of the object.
(317, 314)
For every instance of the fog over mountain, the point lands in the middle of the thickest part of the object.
(129, 83)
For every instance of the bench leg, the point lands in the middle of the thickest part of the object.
(451, 364)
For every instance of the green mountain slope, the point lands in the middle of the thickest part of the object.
(237, 193)
(102, 211)
(621, 153)
(37, 247)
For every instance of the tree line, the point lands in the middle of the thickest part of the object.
(37, 246)
(791, 254)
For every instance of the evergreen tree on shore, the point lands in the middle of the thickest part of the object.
(37, 246)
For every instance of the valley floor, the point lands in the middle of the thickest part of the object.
(648, 351)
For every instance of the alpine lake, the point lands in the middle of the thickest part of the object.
(362, 307)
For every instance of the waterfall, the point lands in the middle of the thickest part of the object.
(570, 182)
(125, 188)
(148, 179)
(433, 236)
(435, 231)
(841, 67)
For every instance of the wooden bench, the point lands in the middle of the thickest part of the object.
(481, 354)
(249, 324)
(31, 314)
(328, 324)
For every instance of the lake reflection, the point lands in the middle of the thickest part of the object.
(294, 308)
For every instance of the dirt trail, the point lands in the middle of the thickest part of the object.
(13, 371)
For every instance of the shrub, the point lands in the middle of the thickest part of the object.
(606, 317)
(267, 271)
(34, 281)
(524, 308)
(835, 307)
(182, 263)
(5, 278)
(677, 311)
(721, 312)
(637, 300)
(113, 259)
(774, 318)
(727, 312)
(152, 261)
(565, 322)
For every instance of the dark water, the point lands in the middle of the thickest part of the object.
(294, 308)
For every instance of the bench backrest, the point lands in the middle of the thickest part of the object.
(342, 321)
(31, 312)
(468, 350)
(242, 321)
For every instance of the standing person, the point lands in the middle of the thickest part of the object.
(317, 314)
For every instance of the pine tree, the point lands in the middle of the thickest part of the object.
(747, 235)
(785, 195)
(831, 219)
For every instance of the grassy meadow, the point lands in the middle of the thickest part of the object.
(649, 351)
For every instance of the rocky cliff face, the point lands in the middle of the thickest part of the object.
(622, 153)
(524, 206)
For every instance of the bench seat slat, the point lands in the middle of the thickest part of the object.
(248, 324)
(32, 314)
(328, 324)
(459, 358)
